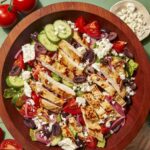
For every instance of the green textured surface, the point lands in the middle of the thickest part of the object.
(102, 3)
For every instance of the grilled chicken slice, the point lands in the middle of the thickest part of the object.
(78, 39)
(61, 90)
(102, 82)
(96, 133)
(90, 117)
(44, 93)
(59, 69)
(67, 61)
(70, 51)
(50, 106)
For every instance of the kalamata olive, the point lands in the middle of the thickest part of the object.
(46, 130)
(79, 143)
(112, 36)
(126, 82)
(74, 43)
(79, 79)
(64, 114)
(40, 49)
(16, 70)
(56, 130)
(133, 86)
(29, 123)
(128, 53)
(34, 36)
(88, 56)
(128, 100)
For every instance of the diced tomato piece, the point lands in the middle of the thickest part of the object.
(104, 129)
(93, 29)
(91, 142)
(36, 99)
(81, 120)
(119, 46)
(31, 63)
(72, 107)
(28, 111)
(80, 23)
(10, 144)
(19, 62)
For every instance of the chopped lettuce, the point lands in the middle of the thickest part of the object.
(132, 66)
(102, 143)
(9, 92)
(32, 134)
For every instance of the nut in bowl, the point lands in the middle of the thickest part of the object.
(73, 79)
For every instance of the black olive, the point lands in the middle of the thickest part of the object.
(16, 70)
(128, 53)
(89, 56)
(79, 143)
(79, 79)
(64, 114)
(133, 86)
(56, 130)
(29, 123)
(128, 100)
(112, 36)
(89, 70)
(40, 49)
(34, 36)
(46, 130)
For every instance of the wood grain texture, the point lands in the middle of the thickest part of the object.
(71, 10)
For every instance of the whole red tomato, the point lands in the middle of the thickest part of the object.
(24, 6)
(10, 144)
(8, 16)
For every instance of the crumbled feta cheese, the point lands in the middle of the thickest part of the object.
(111, 132)
(103, 47)
(101, 121)
(114, 52)
(85, 87)
(122, 75)
(27, 89)
(81, 50)
(96, 66)
(105, 116)
(31, 102)
(108, 124)
(28, 52)
(26, 75)
(81, 101)
(67, 144)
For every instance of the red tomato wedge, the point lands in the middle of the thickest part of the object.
(80, 23)
(104, 130)
(10, 144)
(72, 107)
(36, 99)
(119, 46)
(28, 111)
(19, 62)
(93, 29)
(91, 142)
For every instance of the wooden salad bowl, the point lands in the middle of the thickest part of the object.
(71, 10)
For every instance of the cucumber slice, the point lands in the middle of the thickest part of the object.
(14, 81)
(56, 77)
(67, 83)
(55, 140)
(50, 33)
(63, 28)
(46, 43)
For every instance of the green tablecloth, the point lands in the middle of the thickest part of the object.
(102, 3)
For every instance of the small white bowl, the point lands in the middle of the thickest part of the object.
(139, 8)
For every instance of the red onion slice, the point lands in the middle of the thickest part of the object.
(17, 54)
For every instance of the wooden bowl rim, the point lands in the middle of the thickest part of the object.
(70, 6)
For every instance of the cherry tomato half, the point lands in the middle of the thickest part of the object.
(36, 99)
(24, 6)
(11, 145)
(28, 111)
(80, 23)
(91, 142)
(119, 46)
(8, 16)
(93, 29)
(19, 61)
